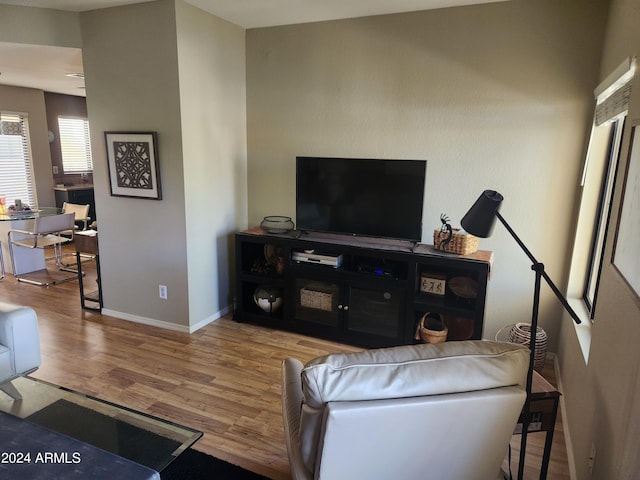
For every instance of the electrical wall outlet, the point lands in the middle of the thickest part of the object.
(162, 291)
(55, 169)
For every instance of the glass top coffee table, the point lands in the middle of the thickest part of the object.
(142, 438)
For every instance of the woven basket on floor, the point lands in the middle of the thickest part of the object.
(521, 333)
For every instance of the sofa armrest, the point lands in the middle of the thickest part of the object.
(291, 406)
(19, 333)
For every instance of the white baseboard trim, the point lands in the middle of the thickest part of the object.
(166, 325)
(565, 425)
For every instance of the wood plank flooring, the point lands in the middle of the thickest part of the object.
(223, 379)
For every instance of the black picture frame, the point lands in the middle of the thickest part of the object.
(134, 167)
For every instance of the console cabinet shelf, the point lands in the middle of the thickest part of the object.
(364, 292)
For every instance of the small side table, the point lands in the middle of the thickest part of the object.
(87, 242)
(544, 410)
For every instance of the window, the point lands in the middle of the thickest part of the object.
(16, 172)
(607, 162)
(75, 145)
(598, 180)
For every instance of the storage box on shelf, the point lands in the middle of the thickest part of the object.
(318, 295)
(367, 292)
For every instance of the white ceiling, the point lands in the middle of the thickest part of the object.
(41, 67)
(46, 68)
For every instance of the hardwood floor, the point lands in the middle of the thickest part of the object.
(223, 379)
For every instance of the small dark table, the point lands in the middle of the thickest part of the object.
(87, 243)
(544, 410)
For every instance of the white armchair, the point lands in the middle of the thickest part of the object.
(442, 411)
(19, 345)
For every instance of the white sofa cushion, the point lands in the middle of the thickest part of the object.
(402, 372)
(412, 371)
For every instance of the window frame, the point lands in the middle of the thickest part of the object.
(596, 255)
(24, 173)
(597, 186)
(75, 145)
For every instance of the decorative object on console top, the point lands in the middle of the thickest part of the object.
(453, 240)
(446, 233)
(277, 224)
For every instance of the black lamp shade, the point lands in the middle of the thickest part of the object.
(481, 217)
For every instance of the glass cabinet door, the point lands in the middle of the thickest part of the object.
(376, 311)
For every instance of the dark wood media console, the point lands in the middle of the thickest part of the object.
(362, 291)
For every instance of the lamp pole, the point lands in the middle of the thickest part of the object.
(540, 273)
(479, 221)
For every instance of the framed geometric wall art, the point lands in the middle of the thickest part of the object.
(133, 163)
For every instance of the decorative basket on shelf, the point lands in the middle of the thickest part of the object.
(319, 296)
(458, 241)
(521, 333)
(432, 329)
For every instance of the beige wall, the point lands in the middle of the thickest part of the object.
(602, 396)
(181, 74)
(211, 64)
(132, 86)
(493, 96)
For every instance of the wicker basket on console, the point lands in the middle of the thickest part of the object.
(461, 242)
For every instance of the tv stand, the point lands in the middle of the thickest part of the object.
(374, 296)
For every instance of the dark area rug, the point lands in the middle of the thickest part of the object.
(195, 465)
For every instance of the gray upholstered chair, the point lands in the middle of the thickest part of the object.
(444, 411)
(19, 345)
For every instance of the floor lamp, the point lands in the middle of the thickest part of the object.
(479, 221)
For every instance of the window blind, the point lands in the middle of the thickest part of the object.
(16, 172)
(614, 93)
(75, 144)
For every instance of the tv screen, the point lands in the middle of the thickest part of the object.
(372, 197)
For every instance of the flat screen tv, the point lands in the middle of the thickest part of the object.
(370, 197)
